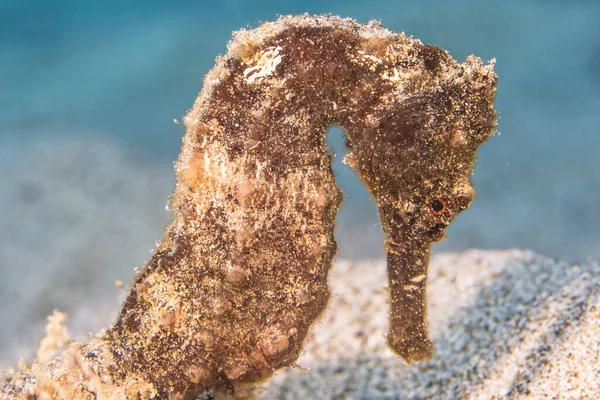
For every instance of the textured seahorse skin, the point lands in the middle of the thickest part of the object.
(241, 274)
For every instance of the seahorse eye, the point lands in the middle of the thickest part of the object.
(437, 206)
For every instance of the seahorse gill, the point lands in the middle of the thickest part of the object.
(241, 274)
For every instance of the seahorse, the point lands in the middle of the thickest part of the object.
(232, 290)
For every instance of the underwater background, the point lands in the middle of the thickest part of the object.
(89, 92)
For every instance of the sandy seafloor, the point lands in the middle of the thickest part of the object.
(88, 95)
(505, 325)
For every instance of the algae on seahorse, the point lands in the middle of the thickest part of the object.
(241, 274)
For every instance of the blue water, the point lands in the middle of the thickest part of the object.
(89, 91)
(123, 70)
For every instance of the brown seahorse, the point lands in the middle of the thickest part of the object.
(241, 275)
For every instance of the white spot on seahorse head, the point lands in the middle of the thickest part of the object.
(392, 75)
(369, 57)
(265, 65)
(411, 288)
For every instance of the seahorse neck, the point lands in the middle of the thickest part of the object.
(310, 72)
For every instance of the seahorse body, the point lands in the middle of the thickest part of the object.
(242, 272)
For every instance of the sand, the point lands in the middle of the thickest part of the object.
(505, 324)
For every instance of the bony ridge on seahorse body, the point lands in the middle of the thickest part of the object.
(242, 272)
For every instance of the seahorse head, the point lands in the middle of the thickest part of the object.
(416, 150)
